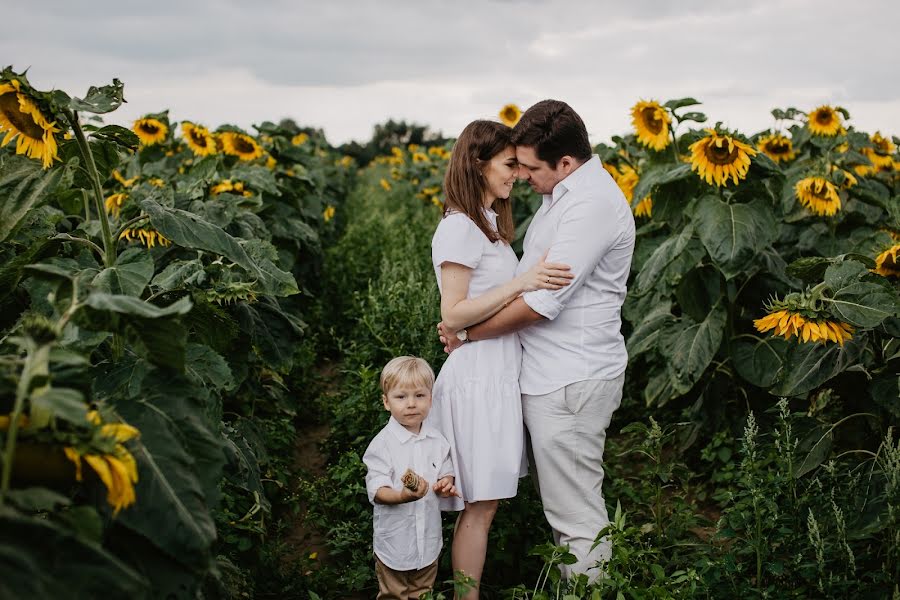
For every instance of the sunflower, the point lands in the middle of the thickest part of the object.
(300, 139)
(198, 139)
(226, 185)
(849, 179)
(886, 262)
(157, 182)
(114, 203)
(271, 162)
(627, 180)
(125, 182)
(651, 122)
(241, 145)
(788, 324)
(20, 117)
(612, 170)
(328, 213)
(716, 158)
(825, 121)
(644, 208)
(880, 152)
(777, 147)
(150, 131)
(385, 184)
(147, 237)
(346, 162)
(117, 469)
(818, 195)
(510, 115)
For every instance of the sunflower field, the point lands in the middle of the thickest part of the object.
(194, 320)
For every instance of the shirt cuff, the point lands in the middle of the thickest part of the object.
(375, 484)
(543, 303)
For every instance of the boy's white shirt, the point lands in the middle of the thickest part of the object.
(406, 536)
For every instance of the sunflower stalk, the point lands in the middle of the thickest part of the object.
(109, 249)
(87, 206)
(36, 355)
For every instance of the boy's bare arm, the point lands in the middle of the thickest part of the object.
(388, 495)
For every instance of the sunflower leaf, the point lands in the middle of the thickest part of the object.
(734, 234)
(680, 103)
(125, 138)
(807, 366)
(130, 275)
(758, 361)
(691, 347)
(100, 100)
(699, 117)
(23, 185)
(667, 252)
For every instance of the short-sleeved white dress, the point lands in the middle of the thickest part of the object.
(476, 401)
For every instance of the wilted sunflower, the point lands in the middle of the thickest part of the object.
(510, 115)
(150, 131)
(886, 264)
(21, 118)
(125, 182)
(117, 470)
(199, 139)
(241, 145)
(114, 203)
(825, 121)
(328, 213)
(777, 147)
(716, 158)
(651, 122)
(818, 195)
(147, 237)
(788, 324)
(849, 180)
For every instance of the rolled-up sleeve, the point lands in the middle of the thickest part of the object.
(447, 462)
(379, 472)
(583, 237)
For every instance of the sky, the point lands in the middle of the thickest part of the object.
(344, 66)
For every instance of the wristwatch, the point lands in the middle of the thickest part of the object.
(462, 335)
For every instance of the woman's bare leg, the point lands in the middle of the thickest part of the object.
(470, 541)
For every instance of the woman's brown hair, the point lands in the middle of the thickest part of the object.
(464, 181)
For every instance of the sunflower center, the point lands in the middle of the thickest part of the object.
(243, 145)
(651, 120)
(149, 128)
(198, 138)
(824, 117)
(720, 154)
(9, 106)
(819, 190)
(778, 147)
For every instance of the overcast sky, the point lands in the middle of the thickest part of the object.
(346, 65)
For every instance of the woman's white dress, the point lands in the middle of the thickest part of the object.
(476, 399)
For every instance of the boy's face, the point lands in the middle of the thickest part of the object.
(409, 405)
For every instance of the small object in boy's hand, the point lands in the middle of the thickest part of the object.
(410, 480)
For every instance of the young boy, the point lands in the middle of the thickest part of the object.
(402, 459)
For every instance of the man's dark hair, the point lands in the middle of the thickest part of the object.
(554, 130)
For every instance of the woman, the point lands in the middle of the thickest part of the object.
(477, 404)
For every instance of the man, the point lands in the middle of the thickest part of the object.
(574, 358)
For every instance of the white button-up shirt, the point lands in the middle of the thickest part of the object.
(587, 224)
(407, 536)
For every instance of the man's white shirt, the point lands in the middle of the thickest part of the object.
(407, 536)
(587, 224)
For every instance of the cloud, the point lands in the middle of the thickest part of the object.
(345, 66)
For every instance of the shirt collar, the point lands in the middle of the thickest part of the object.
(403, 434)
(573, 179)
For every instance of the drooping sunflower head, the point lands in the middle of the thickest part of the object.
(797, 316)
(887, 264)
(842, 177)
(880, 154)
(114, 203)
(651, 123)
(825, 120)
(718, 158)
(818, 195)
(199, 139)
(777, 147)
(20, 117)
(241, 145)
(150, 131)
(510, 115)
(882, 145)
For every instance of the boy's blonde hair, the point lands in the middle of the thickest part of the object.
(406, 370)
